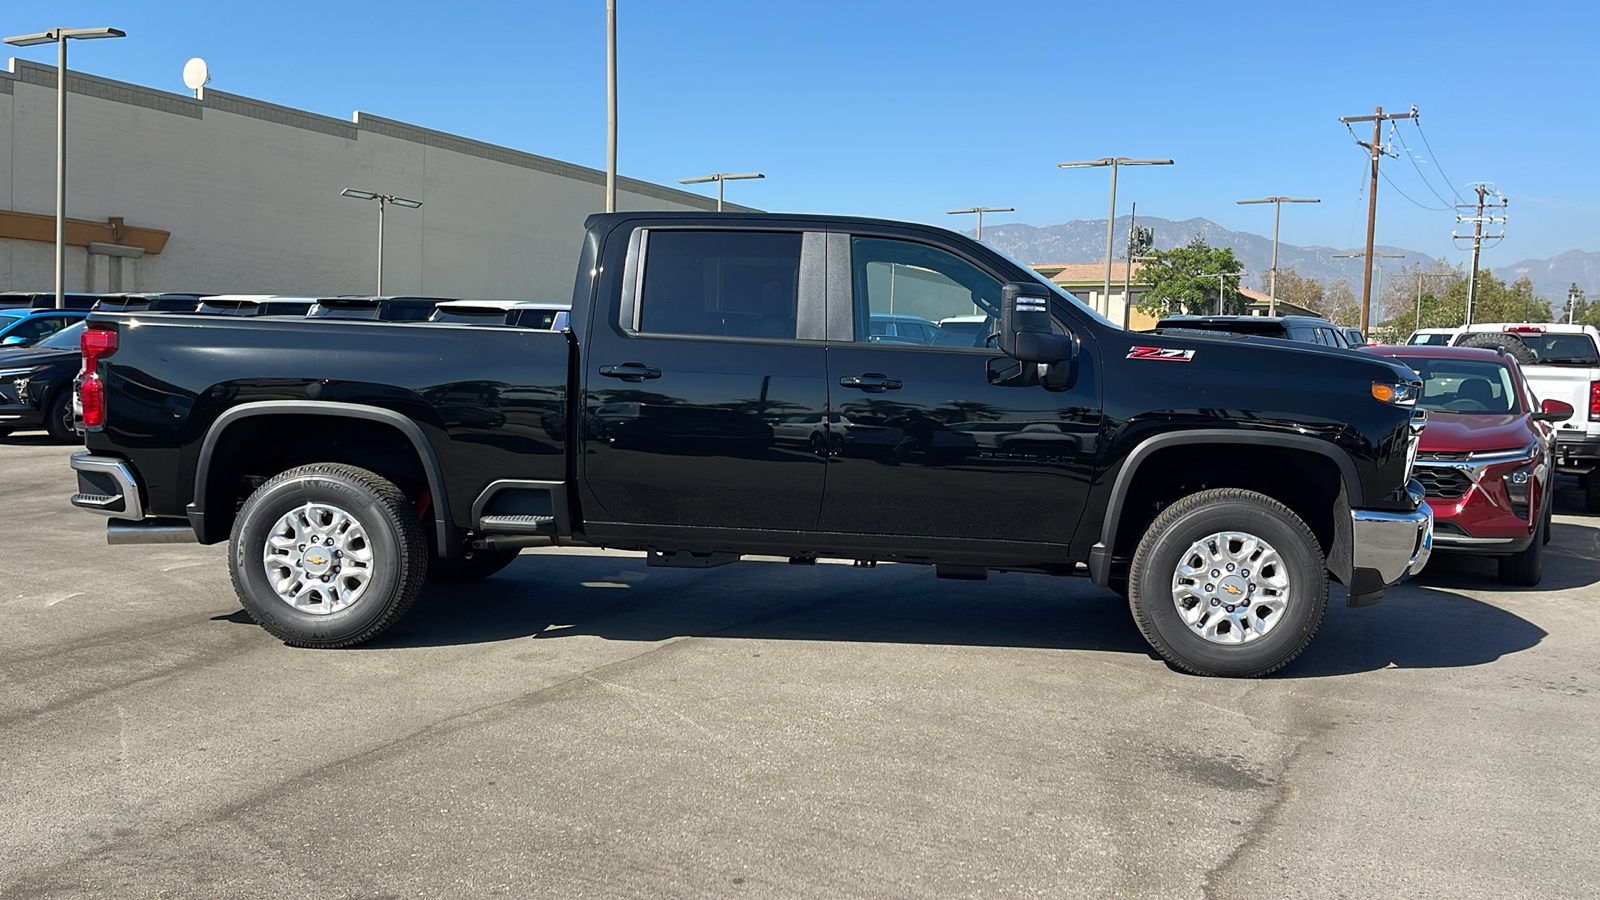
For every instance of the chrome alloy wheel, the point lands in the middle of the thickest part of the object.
(318, 559)
(1231, 587)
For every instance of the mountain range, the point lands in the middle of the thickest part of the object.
(1082, 241)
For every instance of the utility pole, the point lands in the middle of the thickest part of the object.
(1377, 120)
(1484, 190)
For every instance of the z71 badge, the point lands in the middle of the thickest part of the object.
(1160, 353)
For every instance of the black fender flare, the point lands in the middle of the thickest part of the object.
(1101, 554)
(442, 520)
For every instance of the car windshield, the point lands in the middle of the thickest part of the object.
(7, 317)
(65, 339)
(1465, 385)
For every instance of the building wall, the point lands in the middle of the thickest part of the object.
(250, 192)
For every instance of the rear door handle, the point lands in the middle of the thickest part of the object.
(872, 383)
(630, 371)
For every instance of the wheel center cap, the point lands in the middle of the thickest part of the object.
(317, 560)
(1233, 589)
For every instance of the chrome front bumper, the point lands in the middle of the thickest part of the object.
(1388, 546)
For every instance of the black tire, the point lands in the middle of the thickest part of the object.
(1591, 492)
(58, 418)
(1179, 528)
(1513, 344)
(1525, 569)
(463, 568)
(1549, 512)
(394, 535)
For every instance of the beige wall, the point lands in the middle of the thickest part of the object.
(250, 192)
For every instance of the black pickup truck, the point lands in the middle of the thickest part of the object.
(718, 395)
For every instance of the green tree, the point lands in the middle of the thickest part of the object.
(1187, 280)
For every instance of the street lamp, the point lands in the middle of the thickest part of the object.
(1222, 284)
(980, 210)
(383, 200)
(1364, 316)
(1114, 162)
(59, 37)
(719, 178)
(1277, 211)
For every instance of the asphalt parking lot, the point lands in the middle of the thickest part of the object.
(582, 726)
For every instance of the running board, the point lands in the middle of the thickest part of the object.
(150, 531)
(518, 524)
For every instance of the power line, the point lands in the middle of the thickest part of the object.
(1395, 133)
(1397, 190)
(1434, 158)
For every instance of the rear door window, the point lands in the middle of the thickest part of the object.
(732, 283)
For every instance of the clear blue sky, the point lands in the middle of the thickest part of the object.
(906, 109)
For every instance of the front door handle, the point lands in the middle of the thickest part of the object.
(872, 383)
(630, 371)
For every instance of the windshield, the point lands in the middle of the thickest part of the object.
(7, 317)
(65, 339)
(1059, 290)
(1465, 386)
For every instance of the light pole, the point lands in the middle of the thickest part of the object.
(383, 200)
(1222, 284)
(1114, 162)
(1421, 275)
(719, 178)
(1277, 212)
(980, 210)
(59, 37)
(611, 105)
(1379, 291)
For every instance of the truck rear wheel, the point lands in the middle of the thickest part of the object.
(1228, 582)
(327, 555)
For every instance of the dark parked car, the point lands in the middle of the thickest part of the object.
(1307, 329)
(254, 305)
(147, 303)
(383, 309)
(24, 327)
(47, 300)
(1215, 482)
(36, 385)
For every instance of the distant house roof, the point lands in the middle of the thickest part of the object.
(1258, 300)
(1086, 274)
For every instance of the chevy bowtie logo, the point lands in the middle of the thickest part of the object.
(1231, 589)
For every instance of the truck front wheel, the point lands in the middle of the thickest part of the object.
(327, 555)
(1228, 582)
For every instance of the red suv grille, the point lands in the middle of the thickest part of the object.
(1444, 482)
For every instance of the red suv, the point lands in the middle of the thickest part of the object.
(1485, 457)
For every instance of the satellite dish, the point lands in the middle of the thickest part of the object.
(196, 75)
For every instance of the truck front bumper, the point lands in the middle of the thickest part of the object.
(1388, 546)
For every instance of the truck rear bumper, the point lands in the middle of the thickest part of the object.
(106, 485)
(1576, 455)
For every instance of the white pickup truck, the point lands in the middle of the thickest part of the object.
(1564, 365)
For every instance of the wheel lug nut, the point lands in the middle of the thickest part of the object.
(1230, 567)
(302, 548)
(1211, 587)
(330, 578)
(1229, 607)
(1244, 573)
(1215, 602)
(339, 553)
(1216, 573)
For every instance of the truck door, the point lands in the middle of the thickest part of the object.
(716, 338)
(946, 437)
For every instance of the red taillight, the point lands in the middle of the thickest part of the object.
(1594, 400)
(96, 343)
(93, 395)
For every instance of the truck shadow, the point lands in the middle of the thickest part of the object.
(558, 597)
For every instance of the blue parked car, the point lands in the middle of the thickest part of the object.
(26, 327)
